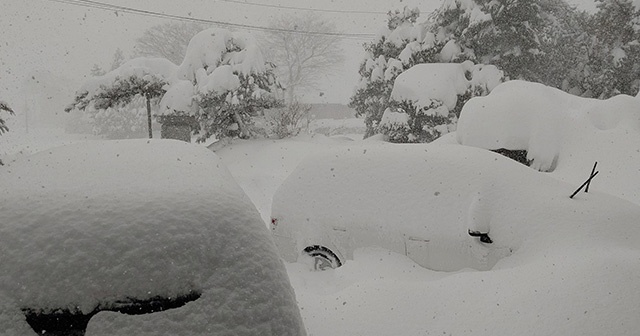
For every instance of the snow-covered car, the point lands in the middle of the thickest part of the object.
(136, 237)
(447, 207)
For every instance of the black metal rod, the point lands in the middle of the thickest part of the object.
(584, 184)
(589, 182)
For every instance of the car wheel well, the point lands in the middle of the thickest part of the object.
(319, 250)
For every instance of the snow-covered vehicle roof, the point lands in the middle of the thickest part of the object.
(423, 201)
(562, 133)
(99, 227)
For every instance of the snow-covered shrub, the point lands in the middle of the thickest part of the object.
(287, 121)
(223, 82)
(427, 99)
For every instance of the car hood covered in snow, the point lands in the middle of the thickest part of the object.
(85, 226)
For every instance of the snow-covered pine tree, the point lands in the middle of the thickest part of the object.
(505, 33)
(615, 54)
(427, 99)
(550, 42)
(223, 82)
(400, 45)
(138, 79)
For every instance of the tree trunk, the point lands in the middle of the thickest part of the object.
(149, 117)
(244, 133)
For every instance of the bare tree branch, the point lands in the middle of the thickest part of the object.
(169, 40)
(302, 58)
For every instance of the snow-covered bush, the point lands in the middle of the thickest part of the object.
(427, 99)
(287, 121)
(223, 82)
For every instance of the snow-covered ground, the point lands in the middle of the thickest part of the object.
(580, 277)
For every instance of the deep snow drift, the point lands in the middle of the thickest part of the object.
(562, 133)
(88, 226)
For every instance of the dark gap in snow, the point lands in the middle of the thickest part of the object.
(519, 155)
(62, 322)
(153, 305)
(58, 323)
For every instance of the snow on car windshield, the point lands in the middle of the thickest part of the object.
(97, 225)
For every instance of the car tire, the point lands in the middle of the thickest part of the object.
(322, 258)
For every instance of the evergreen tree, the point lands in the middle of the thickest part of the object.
(550, 42)
(230, 113)
(615, 51)
(403, 44)
(132, 82)
(227, 82)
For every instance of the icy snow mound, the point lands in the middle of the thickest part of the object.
(561, 132)
(85, 225)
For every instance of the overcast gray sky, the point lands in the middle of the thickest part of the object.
(67, 39)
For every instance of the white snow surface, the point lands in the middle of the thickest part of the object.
(562, 133)
(87, 224)
(178, 98)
